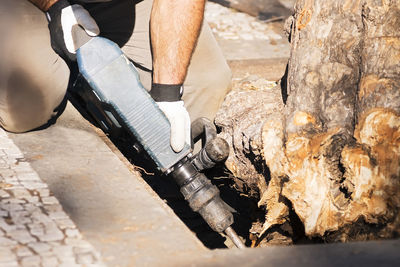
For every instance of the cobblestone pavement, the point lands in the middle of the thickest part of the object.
(229, 24)
(244, 37)
(34, 229)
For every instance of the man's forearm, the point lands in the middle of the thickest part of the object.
(44, 5)
(175, 26)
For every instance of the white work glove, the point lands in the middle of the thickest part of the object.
(179, 119)
(63, 21)
(168, 98)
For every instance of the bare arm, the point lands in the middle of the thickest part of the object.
(175, 27)
(44, 5)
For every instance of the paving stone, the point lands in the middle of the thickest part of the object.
(58, 215)
(36, 229)
(3, 163)
(63, 252)
(38, 216)
(3, 213)
(31, 261)
(50, 261)
(43, 192)
(11, 180)
(31, 185)
(65, 223)
(21, 235)
(7, 242)
(8, 173)
(39, 247)
(14, 201)
(23, 166)
(32, 199)
(6, 255)
(10, 184)
(30, 207)
(13, 186)
(23, 252)
(47, 254)
(82, 250)
(72, 233)
(20, 216)
(50, 200)
(3, 194)
(69, 263)
(85, 258)
(77, 242)
(12, 151)
(52, 234)
(27, 176)
(10, 264)
(54, 208)
(7, 227)
(21, 193)
(11, 206)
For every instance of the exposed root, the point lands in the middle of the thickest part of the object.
(333, 183)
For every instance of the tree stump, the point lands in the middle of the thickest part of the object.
(331, 152)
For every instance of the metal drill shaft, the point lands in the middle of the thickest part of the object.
(234, 237)
(203, 197)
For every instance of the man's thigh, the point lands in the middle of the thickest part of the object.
(33, 79)
(208, 78)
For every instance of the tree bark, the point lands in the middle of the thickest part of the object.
(333, 154)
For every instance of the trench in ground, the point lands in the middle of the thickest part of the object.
(247, 211)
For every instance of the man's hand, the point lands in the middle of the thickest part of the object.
(168, 98)
(179, 119)
(63, 19)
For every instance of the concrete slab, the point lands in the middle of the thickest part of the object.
(254, 49)
(271, 69)
(368, 254)
(113, 208)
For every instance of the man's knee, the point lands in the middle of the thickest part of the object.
(24, 104)
(30, 97)
(33, 79)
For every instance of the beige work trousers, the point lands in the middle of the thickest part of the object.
(34, 79)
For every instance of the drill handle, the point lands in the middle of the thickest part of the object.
(214, 149)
